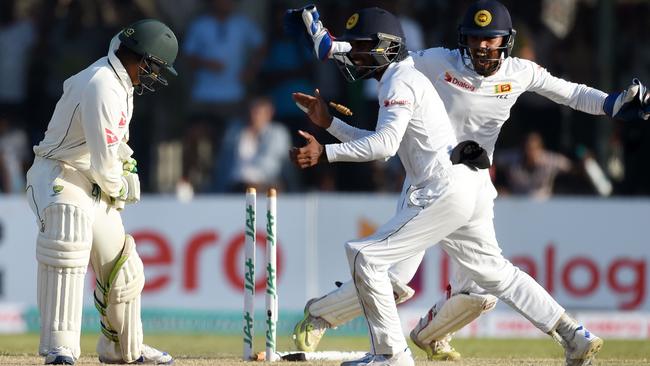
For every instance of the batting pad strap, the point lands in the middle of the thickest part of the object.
(109, 333)
(66, 237)
(126, 280)
(458, 311)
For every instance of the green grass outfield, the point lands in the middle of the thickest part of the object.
(226, 350)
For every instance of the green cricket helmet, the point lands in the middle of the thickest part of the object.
(157, 45)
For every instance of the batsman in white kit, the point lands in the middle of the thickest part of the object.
(478, 84)
(82, 177)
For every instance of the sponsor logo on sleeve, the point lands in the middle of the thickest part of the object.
(459, 83)
(111, 138)
(502, 88)
(388, 103)
(122, 122)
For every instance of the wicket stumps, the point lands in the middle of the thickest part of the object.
(271, 295)
(271, 298)
(249, 273)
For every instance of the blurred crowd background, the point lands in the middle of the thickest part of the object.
(228, 120)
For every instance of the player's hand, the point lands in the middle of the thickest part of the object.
(310, 154)
(306, 21)
(315, 107)
(630, 104)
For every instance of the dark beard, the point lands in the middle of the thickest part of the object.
(485, 68)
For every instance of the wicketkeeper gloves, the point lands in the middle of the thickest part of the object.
(305, 21)
(631, 104)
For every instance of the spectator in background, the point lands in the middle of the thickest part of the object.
(17, 37)
(224, 50)
(254, 154)
(70, 37)
(288, 68)
(531, 170)
(14, 155)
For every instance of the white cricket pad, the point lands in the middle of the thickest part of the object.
(458, 311)
(342, 305)
(118, 301)
(63, 252)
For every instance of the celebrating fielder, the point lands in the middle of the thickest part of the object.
(82, 176)
(449, 196)
(478, 83)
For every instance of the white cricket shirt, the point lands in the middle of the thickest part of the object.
(91, 120)
(412, 122)
(478, 106)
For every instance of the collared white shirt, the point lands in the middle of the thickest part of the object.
(412, 122)
(479, 106)
(91, 121)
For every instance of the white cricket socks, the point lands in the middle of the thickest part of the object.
(566, 327)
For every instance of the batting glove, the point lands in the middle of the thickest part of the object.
(130, 166)
(130, 192)
(132, 184)
(630, 104)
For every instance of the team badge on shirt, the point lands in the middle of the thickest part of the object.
(111, 138)
(57, 189)
(502, 88)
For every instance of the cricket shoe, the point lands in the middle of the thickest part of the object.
(440, 350)
(582, 348)
(109, 353)
(60, 356)
(309, 331)
(404, 358)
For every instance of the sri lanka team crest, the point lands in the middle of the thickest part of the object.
(482, 18)
(352, 21)
(502, 88)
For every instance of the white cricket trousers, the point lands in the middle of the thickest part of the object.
(461, 221)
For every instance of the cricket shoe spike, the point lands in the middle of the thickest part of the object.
(404, 358)
(309, 331)
(59, 356)
(582, 348)
(440, 350)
